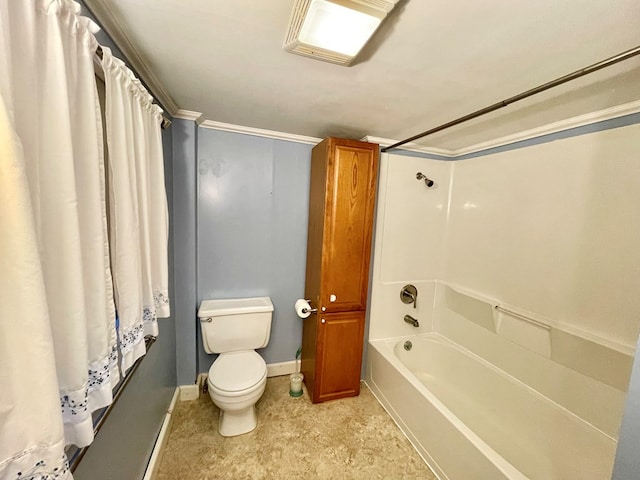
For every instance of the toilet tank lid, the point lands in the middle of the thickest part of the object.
(234, 306)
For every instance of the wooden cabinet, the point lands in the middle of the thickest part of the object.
(341, 206)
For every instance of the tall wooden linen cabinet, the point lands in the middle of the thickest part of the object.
(341, 206)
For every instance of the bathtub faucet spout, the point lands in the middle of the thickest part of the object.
(411, 320)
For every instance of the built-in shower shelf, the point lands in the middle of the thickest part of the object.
(588, 353)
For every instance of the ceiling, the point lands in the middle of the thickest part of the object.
(430, 62)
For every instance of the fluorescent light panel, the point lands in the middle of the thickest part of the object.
(337, 28)
(334, 30)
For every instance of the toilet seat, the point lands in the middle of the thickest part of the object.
(235, 373)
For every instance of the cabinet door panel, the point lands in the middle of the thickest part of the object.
(339, 355)
(351, 181)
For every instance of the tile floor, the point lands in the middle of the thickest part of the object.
(352, 438)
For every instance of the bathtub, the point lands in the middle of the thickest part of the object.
(470, 420)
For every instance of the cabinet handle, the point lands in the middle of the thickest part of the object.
(323, 320)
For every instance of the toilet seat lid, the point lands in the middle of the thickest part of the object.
(235, 371)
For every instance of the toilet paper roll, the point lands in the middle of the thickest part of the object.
(303, 309)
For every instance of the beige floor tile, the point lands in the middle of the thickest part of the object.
(352, 438)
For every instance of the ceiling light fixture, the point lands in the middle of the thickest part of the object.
(334, 30)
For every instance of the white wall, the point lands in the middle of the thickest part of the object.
(408, 242)
(553, 229)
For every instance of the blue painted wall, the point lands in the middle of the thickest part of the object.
(183, 219)
(240, 214)
(252, 210)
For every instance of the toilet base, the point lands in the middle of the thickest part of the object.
(233, 423)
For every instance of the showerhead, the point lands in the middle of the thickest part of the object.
(427, 181)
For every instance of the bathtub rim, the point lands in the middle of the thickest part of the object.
(432, 336)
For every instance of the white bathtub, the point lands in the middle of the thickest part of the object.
(471, 421)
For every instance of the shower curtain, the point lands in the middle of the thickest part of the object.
(58, 340)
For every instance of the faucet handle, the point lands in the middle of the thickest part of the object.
(409, 294)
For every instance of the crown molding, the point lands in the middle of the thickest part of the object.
(555, 127)
(551, 128)
(188, 115)
(412, 147)
(115, 30)
(259, 132)
(569, 123)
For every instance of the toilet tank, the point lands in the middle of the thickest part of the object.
(235, 324)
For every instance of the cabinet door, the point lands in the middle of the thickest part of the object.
(339, 355)
(348, 222)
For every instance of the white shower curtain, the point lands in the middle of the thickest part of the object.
(58, 340)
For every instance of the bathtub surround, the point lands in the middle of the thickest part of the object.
(548, 234)
(564, 203)
(350, 439)
(627, 463)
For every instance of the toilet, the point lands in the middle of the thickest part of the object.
(235, 328)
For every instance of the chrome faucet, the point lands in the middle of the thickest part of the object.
(411, 320)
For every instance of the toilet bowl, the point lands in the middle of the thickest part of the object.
(235, 328)
(236, 382)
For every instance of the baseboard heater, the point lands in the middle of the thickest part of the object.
(75, 454)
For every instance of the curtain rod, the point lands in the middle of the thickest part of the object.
(541, 88)
(165, 121)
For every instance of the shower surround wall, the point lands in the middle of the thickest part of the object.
(549, 230)
(553, 229)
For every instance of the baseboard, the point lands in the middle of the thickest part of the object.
(154, 462)
(281, 368)
(189, 392)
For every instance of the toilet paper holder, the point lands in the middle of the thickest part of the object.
(309, 310)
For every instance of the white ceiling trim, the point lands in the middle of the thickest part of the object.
(259, 132)
(114, 29)
(573, 122)
(412, 147)
(555, 127)
(188, 115)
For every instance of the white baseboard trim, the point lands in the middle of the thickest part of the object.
(189, 392)
(282, 368)
(154, 462)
